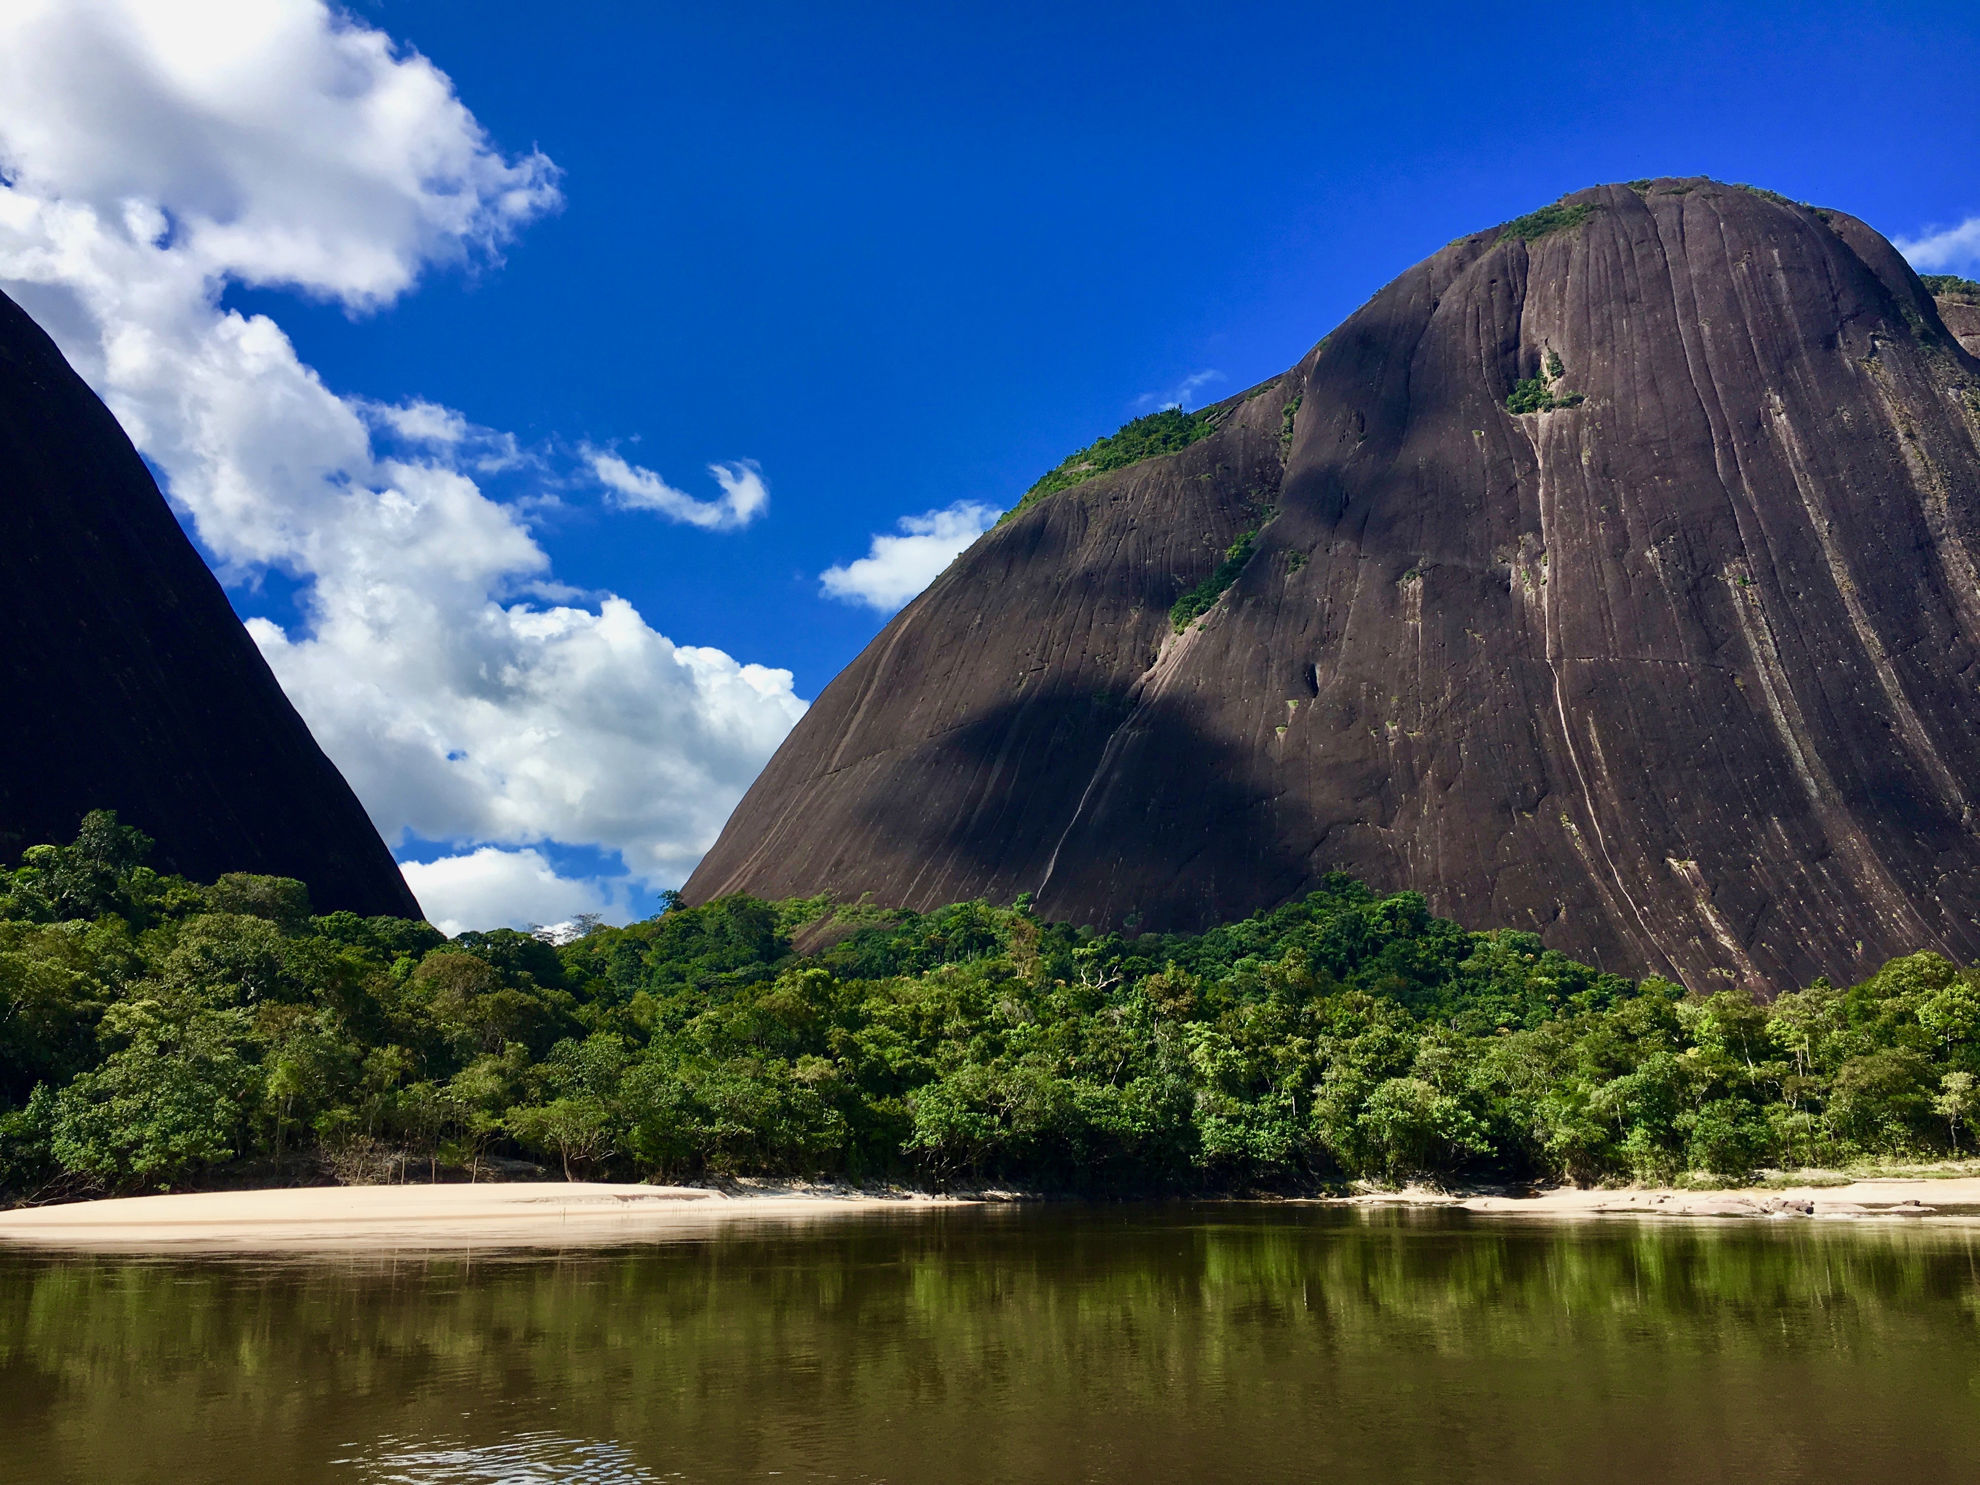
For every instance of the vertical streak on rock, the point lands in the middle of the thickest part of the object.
(1609, 876)
(1871, 643)
(1959, 581)
(1842, 831)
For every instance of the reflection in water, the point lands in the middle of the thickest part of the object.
(526, 1459)
(1050, 1344)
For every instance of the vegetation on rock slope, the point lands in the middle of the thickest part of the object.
(1951, 286)
(1198, 601)
(1548, 219)
(153, 1030)
(1147, 437)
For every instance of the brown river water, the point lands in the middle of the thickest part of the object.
(1050, 1343)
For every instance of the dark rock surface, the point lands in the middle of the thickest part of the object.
(1962, 317)
(1682, 676)
(129, 684)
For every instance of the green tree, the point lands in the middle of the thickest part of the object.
(1955, 1102)
(1408, 1128)
(576, 1130)
(170, 1101)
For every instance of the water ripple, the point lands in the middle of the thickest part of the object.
(521, 1459)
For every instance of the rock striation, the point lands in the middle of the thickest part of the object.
(1616, 576)
(129, 682)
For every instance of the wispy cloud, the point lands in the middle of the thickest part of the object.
(1942, 249)
(432, 429)
(1182, 394)
(896, 567)
(744, 496)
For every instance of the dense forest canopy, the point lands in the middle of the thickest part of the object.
(155, 1032)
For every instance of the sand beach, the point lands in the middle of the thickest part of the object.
(1942, 1199)
(531, 1214)
(486, 1214)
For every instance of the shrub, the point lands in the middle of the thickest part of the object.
(1529, 395)
(1197, 601)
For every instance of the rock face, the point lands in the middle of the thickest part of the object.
(129, 683)
(1962, 317)
(1677, 670)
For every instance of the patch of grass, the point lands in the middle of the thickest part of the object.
(1148, 437)
(1704, 1180)
(1909, 1170)
(1286, 416)
(1774, 196)
(1781, 1180)
(1869, 1170)
(1951, 286)
(1197, 601)
(1555, 218)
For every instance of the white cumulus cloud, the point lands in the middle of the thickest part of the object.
(152, 153)
(284, 143)
(1944, 249)
(744, 495)
(491, 886)
(898, 566)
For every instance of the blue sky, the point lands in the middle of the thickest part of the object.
(906, 254)
(900, 258)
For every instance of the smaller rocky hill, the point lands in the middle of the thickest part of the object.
(128, 682)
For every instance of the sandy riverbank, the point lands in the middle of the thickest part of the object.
(562, 1213)
(523, 1214)
(1954, 1199)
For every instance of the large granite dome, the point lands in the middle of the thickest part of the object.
(1679, 668)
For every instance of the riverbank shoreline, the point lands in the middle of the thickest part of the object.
(528, 1214)
(487, 1214)
(1940, 1198)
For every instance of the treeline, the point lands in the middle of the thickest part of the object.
(155, 1033)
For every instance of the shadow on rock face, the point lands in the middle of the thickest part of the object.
(1121, 815)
